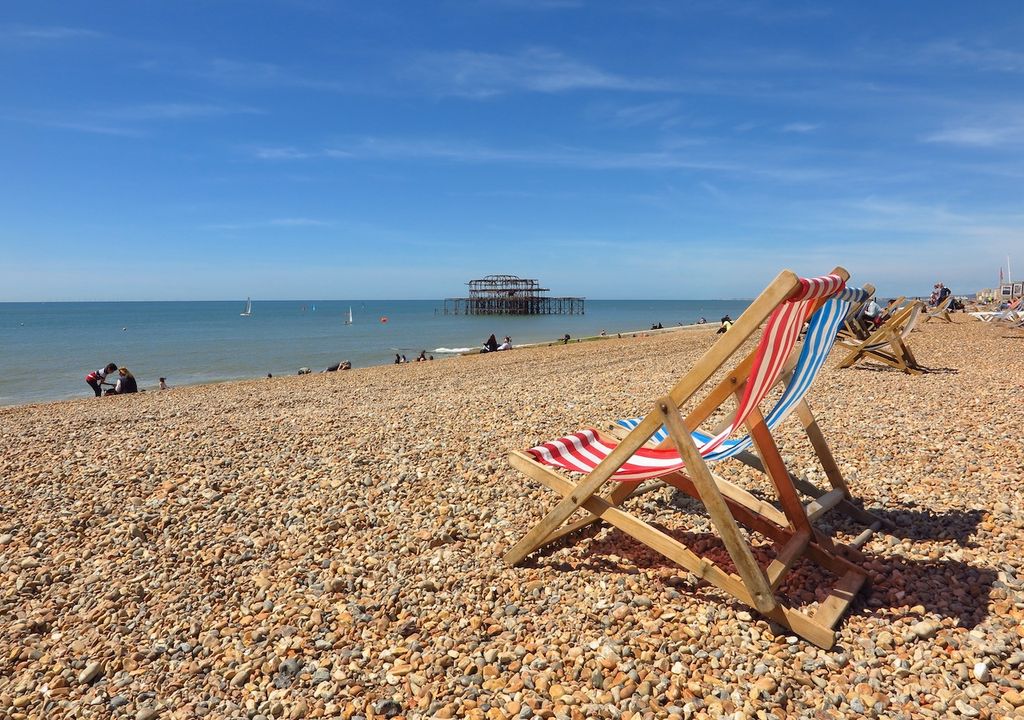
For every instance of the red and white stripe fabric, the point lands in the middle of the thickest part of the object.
(583, 451)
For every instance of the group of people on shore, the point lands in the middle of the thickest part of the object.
(491, 344)
(123, 384)
(399, 359)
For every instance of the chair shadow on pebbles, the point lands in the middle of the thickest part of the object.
(944, 587)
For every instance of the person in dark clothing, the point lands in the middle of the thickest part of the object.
(125, 383)
(491, 344)
(96, 378)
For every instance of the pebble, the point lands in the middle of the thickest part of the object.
(330, 546)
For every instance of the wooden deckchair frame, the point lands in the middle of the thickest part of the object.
(887, 344)
(790, 529)
(939, 312)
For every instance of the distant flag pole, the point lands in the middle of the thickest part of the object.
(1009, 277)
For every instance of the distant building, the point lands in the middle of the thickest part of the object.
(511, 295)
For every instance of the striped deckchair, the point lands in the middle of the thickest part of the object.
(854, 325)
(786, 303)
(888, 343)
(798, 377)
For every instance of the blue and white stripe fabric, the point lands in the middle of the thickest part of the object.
(821, 335)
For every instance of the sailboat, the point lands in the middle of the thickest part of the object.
(349, 321)
(248, 308)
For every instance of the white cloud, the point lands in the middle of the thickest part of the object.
(46, 32)
(979, 135)
(294, 222)
(482, 75)
(983, 57)
(172, 111)
(279, 153)
(800, 127)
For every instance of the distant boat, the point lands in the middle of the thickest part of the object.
(349, 321)
(248, 308)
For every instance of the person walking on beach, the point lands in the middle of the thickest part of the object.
(96, 378)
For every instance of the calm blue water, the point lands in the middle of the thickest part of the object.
(46, 349)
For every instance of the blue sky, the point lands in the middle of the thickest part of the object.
(308, 149)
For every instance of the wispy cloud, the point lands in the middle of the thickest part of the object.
(92, 128)
(533, 5)
(291, 222)
(483, 75)
(681, 155)
(278, 153)
(982, 57)
(45, 32)
(172, 111)
(126, 120)
(662, 113)
(800, 127)
(242, 73)
(984, 135)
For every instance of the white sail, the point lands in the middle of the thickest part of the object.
(349, 321)
(248, 308)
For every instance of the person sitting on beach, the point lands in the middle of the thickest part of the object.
(164, 385)
(422, 357)
(340, 365)
(125, 383)
(565, 339)
(96, 378)
(507, 345)
(398, 359)
(490, 344)
(873, 313)
(726, 324)
(702, 320)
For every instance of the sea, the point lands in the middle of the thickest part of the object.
(47, 348)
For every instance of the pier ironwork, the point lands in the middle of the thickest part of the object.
(511, 295)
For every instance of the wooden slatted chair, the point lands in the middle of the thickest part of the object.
(887, 344)
(939, 312)
(786, 303)
(797, 378)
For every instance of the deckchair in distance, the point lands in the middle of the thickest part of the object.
(939, 312)
(854, 325)
(786, 303)
(888, 343)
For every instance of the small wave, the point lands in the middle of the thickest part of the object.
(452, 350)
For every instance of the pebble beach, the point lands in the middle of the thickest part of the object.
(329, 545)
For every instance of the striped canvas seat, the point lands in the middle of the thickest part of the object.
(822, 330)
(583, 451)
